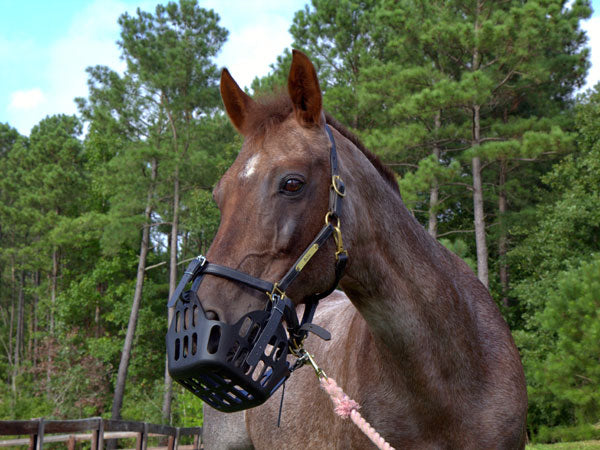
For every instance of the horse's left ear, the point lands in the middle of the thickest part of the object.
(304, 90)
(237, 102)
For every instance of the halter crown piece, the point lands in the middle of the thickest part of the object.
(239, 366)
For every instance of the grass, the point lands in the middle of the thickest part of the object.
(583, 445)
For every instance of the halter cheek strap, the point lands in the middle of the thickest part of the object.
(281, 305)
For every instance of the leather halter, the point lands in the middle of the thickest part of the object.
(276, 292)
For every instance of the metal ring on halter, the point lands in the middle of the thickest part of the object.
(340, 190)
(330, 215)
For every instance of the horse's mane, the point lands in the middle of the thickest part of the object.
(384, 170)
(271, 110)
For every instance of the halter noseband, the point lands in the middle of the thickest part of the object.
(222, 367)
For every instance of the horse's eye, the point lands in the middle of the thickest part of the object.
(292, 185)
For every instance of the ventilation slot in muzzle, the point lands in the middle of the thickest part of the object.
(209, 357)
(213, 339)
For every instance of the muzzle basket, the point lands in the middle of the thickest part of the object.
(208, 357)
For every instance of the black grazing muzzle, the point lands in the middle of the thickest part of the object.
(239, 366)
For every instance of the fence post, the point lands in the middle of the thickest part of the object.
(71, 442)
(139, 440)
(40, 435)
(144, 437)
(100, 441)
(95, 437)
(176, 445)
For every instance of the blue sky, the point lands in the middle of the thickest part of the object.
(45, 47)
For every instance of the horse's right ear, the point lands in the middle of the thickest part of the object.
(237, 102)
(304, 90)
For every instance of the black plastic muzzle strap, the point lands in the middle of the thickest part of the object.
(200, 266)
(191, 272)
(276, 315)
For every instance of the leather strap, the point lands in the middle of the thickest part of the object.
(313, 247)
(236, 275)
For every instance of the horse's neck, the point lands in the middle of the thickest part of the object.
(404, 284)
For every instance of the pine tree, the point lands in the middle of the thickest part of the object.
(171, 53)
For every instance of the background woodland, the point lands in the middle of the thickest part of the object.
(475, 104)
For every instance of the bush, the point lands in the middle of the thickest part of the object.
(561, 355)
(567, 434)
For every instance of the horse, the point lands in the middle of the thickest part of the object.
(417, 339)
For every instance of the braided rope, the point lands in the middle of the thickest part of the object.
(345, 407)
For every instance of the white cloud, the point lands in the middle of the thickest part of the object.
(251, 50)
(592, 28)
(89, 41)
(258, 33)
(27, 100)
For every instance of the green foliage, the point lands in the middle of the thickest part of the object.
(558, 290)
(579, 445)
(460, 248)
(567, 227)
(561, 353)
(82, 205)
(403, 76)
(174, 49)
(428, 172)
(8, 138)
(188, 408)
(567, 434)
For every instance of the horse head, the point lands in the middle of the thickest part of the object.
(274, 198)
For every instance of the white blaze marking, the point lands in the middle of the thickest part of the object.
(250, 166)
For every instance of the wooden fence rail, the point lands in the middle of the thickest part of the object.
(98, 430)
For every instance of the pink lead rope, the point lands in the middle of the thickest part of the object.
(344, 406)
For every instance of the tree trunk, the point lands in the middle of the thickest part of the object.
(9, 355)
(434, 191)
(503, 239)
(53, 287)
(36, 299)
(101, 288)
(12, 313)
(480, 241)
(30, 314)
(97, 321)
(168, 396)
(137, 297)
(478, 212)
(19, 333)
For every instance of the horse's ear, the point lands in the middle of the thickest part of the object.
(304, 90)
(237, 102)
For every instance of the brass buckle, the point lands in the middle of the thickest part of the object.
(337, 235)
(276, 292)
(334, 183)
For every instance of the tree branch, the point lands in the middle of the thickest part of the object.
(455, 231)
(165, 262)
